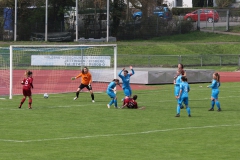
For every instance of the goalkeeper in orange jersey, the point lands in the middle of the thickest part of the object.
(85, 82)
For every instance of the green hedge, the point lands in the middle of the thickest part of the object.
(183, 11)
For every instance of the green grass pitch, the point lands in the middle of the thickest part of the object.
(59, 128)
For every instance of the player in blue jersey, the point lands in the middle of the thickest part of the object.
(126, 81)
(183, 96)
(215, 91)
(177, 81)
(111, 91)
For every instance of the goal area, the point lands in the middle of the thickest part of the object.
(54, 65)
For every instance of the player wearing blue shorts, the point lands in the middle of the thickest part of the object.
(215, 91)
(126, 81)
(111, 93)
(183, 96)
(177, 81)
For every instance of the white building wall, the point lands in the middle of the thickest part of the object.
(187, 3)
(173, 3)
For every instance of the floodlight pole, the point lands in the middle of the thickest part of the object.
(198, 22)
(107, 39)
(76, 23)
(15, 22)
(46, 21)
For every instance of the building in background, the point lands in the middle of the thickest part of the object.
(178, 3)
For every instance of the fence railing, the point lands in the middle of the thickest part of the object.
(124, 60)
(173, 60)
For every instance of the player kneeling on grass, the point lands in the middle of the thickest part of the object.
(183, 96)
(131, 103)
(85, 82)
(111, 91)
(27, 86)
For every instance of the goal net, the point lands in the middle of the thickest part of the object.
(54, 65)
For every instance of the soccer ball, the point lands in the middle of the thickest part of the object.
(45, 95)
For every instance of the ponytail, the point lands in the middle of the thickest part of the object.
(217, 76)
(184, 79)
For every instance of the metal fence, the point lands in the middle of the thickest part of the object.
(228, 19)
(166, 61)
(173, 60)
(92, 27)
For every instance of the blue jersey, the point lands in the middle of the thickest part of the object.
(111, 86)
(215, 84)
(215, 91)
(184, 87)
(178, 81)
(177, 85)
(125, 79)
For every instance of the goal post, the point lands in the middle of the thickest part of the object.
(54, 65)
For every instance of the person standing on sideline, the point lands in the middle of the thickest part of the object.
(27, 86)
(85, 82)
(215, 91)
(111, 91)
(126, 81)
(131, 103)
(177, 81)
(183, 97)
(180, 68)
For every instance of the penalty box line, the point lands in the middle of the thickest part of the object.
(112, 135)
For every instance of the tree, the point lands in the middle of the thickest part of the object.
(144, 5)
(118, 11)
(57, 10)
(223, 3)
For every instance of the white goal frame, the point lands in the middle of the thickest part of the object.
(42, 46)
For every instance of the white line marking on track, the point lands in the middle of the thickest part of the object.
(122, 134)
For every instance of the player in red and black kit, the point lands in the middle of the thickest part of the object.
(27, 86)
(131, 103)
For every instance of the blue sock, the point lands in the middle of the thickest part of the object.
(213, 103)
(178, 109)
(115, 102)
(188, 110)
(218, 104)
(111, 102)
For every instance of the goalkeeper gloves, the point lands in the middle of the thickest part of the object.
(90, 87)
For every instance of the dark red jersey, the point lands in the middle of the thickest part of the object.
(131, 103)
(27, 83)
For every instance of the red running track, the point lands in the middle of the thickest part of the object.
(47, 81)
(229, 76)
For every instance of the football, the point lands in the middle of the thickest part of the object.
(45, 95)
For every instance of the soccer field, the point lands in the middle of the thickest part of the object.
(60, 128)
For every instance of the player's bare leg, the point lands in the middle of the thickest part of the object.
(92, 95)
(30, 102)
(22, 101)
(77, 94)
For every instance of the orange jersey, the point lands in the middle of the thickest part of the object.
(86, 78)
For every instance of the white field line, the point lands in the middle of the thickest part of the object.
(112, 135)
